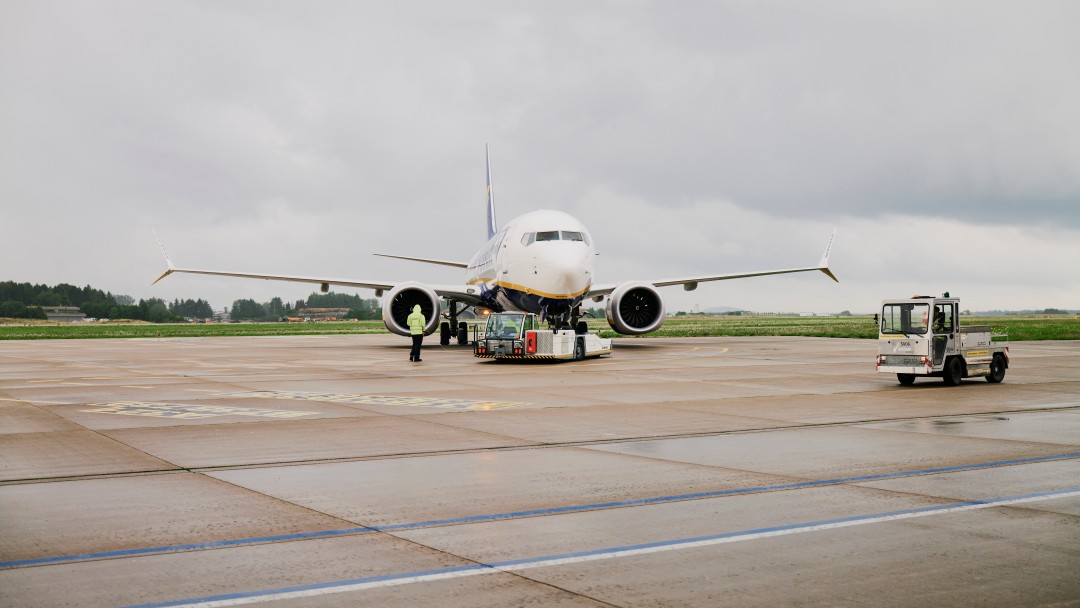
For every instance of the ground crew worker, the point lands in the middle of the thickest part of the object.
(939, 319)
(416, 323)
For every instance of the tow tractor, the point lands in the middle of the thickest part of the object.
(518, 335)
(922, 336)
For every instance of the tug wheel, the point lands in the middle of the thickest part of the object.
(954, 371)
(997, 370)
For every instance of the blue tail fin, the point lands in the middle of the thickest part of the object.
(492, 226)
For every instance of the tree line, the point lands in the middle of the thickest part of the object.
(27, 301)
(276, 309)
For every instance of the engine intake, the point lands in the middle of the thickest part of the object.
(635, 308)
(398, 305)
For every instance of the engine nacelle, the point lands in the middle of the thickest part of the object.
(635, 308)
(398, 304)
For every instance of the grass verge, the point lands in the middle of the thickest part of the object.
(1018, 327)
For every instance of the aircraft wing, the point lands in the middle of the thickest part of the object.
(376, 285)
(462, 293)
(690, 283)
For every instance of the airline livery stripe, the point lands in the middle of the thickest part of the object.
(406, 578)
(529, 513)
(531, 291)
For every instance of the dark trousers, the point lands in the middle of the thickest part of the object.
(417, 340)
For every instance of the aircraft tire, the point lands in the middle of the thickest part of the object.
(444, 334)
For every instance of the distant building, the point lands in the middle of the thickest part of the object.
(64, 314)
(323, 314)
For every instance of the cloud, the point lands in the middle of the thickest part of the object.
(991, 267)
(300, 138)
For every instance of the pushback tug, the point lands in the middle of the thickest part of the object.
(922, 336)
(515, 335)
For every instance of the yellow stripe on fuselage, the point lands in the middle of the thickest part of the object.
(531, 291)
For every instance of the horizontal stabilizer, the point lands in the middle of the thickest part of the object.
(424, 260)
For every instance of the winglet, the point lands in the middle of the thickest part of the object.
(492, 226)
(167, 260)
(823, 265)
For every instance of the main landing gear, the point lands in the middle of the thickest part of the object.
(453, 328)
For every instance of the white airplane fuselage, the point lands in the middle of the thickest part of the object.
(540, 262)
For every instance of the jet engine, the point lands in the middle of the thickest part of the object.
(398, 305)
(635, 308)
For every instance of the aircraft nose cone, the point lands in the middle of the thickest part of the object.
(571, 273)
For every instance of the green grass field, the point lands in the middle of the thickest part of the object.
(183, 330)
(1018, 327)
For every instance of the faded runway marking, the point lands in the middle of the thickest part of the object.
(187, 412)
(451, 404)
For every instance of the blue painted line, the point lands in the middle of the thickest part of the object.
(218, 544)
(604, 553)
(312, 587)
(519, 514)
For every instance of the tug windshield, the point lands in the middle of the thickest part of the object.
(504, 326)
(903, 319)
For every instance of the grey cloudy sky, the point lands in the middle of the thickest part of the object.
(940, 138)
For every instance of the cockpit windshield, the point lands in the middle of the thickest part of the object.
(554, 235)
(506, 326)
(903, 319)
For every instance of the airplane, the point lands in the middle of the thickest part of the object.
(540, 262)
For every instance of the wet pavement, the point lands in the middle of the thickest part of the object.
(329, 470)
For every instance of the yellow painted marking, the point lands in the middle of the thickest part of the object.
(978, 353)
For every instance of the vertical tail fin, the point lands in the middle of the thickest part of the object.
(492, 226)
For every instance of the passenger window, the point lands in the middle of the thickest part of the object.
(552, 235)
